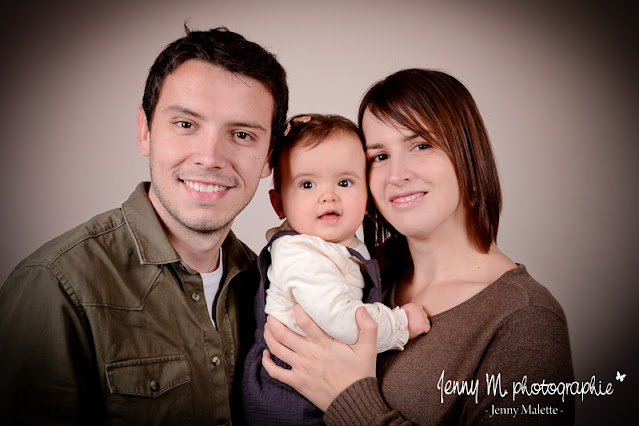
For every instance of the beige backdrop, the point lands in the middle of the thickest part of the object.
(555, 84)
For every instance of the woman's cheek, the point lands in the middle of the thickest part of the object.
(375, 183)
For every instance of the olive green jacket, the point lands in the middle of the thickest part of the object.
(106, 325)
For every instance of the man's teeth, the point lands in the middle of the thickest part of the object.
(406, 199)
(201, 187)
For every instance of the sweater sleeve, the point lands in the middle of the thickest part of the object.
(316, 277)
(361, 404)
(46, 357)
(531, 342)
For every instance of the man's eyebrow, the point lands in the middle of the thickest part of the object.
(180, 109)
(250, 124)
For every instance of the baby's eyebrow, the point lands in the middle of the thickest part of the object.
(301, 175)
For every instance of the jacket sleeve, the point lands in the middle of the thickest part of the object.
(317, 280)
(46, 362)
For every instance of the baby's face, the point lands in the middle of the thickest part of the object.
(324, 188)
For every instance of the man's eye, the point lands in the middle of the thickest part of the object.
(242, 135)
(308, 185)
(345, 183)
(185, 125)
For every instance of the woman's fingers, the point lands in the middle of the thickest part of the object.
(322, 367)
(308, 326)
(280, 340)
(367, 328)
(275, 371)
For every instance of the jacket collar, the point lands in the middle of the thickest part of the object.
(153, 245)
(151, 242)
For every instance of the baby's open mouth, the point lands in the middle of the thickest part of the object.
(329, 215)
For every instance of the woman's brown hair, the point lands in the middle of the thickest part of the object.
(439, 108)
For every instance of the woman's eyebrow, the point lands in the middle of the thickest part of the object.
(374, 146)
(411, 137)
(407, 138)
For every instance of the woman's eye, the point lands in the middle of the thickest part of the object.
(379, 157)
(345, 183)
(308, 185)
(422, 146)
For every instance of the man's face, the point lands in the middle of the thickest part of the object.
(208, 146)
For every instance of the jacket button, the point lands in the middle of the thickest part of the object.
(195, 296)
(216, 361)
(154, 385)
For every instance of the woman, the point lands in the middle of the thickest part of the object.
(495, 331)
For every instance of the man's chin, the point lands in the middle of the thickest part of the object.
(207, 227)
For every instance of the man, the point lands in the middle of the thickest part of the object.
(140, 315)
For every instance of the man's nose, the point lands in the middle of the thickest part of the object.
(211, 151)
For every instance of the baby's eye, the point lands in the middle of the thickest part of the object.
(345, 183)
(308, 185)
(379, 157)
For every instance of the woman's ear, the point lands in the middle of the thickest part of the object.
(276, 202)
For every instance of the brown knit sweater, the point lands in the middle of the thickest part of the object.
(514, 328)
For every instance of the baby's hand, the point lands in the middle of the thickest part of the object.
(418, 322)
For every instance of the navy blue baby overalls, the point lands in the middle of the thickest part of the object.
(266, 400)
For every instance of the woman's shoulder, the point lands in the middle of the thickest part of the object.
(520, 287)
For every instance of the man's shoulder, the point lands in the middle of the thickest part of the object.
(239, 254)
(73, 241)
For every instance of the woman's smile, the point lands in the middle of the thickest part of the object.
(403, 201)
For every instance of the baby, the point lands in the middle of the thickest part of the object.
(320, 188)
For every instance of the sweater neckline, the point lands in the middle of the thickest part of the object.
(490, 288)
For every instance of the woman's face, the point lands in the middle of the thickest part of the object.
(413, 184)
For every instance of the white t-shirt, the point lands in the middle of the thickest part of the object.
(211, 281)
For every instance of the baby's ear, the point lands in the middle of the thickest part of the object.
(276, 202)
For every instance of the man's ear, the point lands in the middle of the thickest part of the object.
(276, 202)
(266, 170)
(144, 133)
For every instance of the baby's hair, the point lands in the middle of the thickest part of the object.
(308, 131)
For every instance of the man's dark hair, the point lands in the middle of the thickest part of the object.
(228, 50)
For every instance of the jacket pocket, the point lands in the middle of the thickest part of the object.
(150, 391)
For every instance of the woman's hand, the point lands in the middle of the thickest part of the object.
(322, 367)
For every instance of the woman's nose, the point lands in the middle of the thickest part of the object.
(398, 172)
